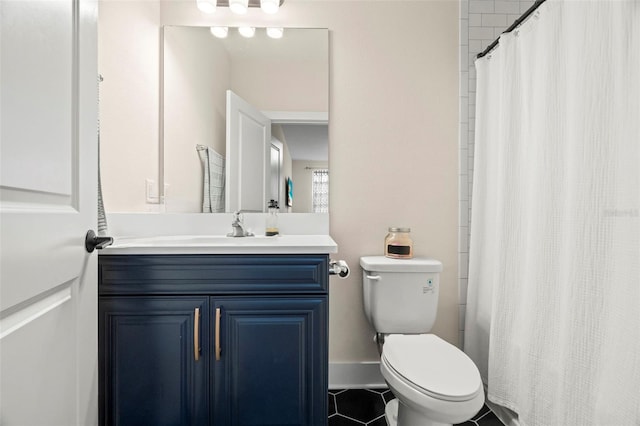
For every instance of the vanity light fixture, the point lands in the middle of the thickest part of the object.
(275, 32)
(239, 7)
(206, 6)
(247, 32)
(220, 32)
(270, 6)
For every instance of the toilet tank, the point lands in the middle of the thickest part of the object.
(400, 295)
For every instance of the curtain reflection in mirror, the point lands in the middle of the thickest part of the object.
(320, 190)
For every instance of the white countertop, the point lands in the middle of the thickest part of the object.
(218, 244)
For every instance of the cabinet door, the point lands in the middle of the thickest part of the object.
(149, 374)
(272, 366)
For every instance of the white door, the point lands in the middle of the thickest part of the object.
(248, 156)
(48, 184)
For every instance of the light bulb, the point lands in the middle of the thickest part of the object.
(239, 7)
(275, 32)
(270, 6)
(206, 6)
(247, 32)
(220, 32)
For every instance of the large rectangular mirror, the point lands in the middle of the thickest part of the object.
(218, 157)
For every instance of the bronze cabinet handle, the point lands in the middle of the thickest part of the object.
(196, 334)
(217, 339)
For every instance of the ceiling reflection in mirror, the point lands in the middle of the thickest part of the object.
(286, 81)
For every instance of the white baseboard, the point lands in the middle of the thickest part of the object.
(350, 375)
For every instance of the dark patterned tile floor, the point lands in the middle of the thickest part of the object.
(351, 407)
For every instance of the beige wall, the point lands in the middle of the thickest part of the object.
(128, 60)
(292, 86)
(302, 176)
(393, 146)
(194, 111)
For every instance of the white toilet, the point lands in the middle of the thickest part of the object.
(434, 382)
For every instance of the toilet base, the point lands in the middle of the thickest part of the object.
(397, 415)
(391, 412)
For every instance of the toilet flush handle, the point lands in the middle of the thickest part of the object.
(373, 277)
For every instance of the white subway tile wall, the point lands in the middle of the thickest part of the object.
(481, 22)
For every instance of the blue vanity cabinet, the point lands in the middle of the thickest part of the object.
(262, 339)
(153, 360)
(270, 362)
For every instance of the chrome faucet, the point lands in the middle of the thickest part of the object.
(238, 226)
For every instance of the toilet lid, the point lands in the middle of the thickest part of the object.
(435, 366)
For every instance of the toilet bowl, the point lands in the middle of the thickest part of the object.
(434, 382)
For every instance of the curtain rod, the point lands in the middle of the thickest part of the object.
(513, 26)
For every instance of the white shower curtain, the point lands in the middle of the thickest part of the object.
(553, 310)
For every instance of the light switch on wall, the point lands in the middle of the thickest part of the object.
(151, 191)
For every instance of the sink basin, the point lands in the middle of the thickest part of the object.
(220, 244)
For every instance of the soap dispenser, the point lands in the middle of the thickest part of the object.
(272, 219)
